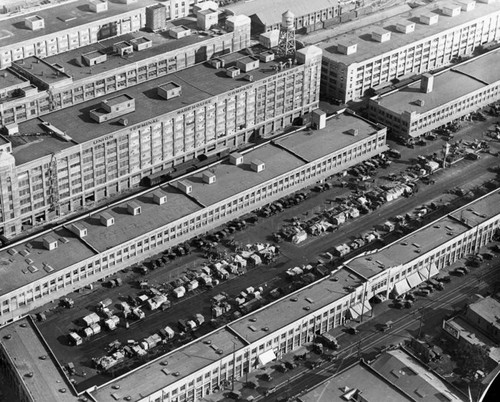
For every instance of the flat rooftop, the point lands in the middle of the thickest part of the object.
(411, 377)
(9, 79)
(448, 86)
(368, 48)
(42, 70)
(161, 43)
(489, 309)
(128, 227)
(232, 180)
(358, 377)
(65, 16)
(41, 376)
(285, 311)
(27, 262)
(160, 373)
(199, 83)
(408, 248)
(480, 210)
(315, 144)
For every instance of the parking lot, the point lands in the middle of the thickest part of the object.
(466, 173)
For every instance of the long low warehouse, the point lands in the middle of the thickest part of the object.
(41, 270)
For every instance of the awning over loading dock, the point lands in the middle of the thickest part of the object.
(359, 309)
(400, 288)
(267, 357)
(414, 280)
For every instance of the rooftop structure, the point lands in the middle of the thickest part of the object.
(24, 352)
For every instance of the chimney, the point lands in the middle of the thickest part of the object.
(427, 83)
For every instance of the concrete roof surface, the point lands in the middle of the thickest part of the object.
(25, 348)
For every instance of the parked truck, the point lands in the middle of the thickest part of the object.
(90, 319)
(137, 313)
(112, 322)
(74, 339)
(156, 302)
(104, 304)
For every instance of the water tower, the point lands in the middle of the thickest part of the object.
(286, 43)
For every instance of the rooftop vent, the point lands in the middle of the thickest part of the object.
(419, 102)
(98, 6)
(123, 48)
(185, 187)
(257, 165)
(235, 158)
(79, 229)
(169, 90)
(467, 5)
(159, 197)
(248, 64)
(133, 208)
(106, 219)
(353, 131)
(34, 22)
(405, 27)
(381, 36)
(347, 48)
(233, 72)
(451, 10)
(429, 19)
(50, 243)
(209, 177)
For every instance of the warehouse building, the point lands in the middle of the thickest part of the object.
(98, 69)
(262, 336)
(439, 99)
(72, 257)
(307, 14)
(72, 159)
(424, 39)
(68, 26)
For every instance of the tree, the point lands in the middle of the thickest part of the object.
(471, 358)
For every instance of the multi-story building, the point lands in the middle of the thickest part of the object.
(102, 68)
(310, 14)
(439, 99)
(69, 159)
(68, 26)
(425, 39)
(74, 256)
